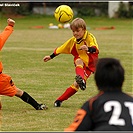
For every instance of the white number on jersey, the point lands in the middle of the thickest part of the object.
(130, 106)
(117, 109)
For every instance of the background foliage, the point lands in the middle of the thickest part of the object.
(82, 8)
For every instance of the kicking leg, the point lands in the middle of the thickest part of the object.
(80, 74)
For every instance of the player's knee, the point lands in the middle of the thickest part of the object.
(19, 93)
(79, 62)
(76, 85)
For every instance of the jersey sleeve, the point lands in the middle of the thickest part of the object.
(4, 35)
(91, 42)
(64, 48)
(82, 120)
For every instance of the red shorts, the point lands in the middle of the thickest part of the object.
(7, 86)
(87, 71)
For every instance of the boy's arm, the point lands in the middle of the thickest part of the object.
(6, 32)
(52, 55)
(65, 48)
(49, 57)
(91, 49)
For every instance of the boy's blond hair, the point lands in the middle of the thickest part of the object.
(78, 23)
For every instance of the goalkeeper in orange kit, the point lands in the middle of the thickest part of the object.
(84, 48)
(7, 86)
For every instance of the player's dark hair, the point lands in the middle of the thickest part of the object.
(109, 75)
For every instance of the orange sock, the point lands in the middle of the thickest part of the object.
(79, 70)
(68, 93)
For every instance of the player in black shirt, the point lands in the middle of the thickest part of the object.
(111, 109)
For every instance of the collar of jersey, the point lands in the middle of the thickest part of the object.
(84, 37)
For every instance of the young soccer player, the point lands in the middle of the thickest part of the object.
(111, 109)
(84, 48)
(7, 86)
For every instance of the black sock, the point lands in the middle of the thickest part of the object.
(28, 99)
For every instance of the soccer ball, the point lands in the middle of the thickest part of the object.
(63, 13)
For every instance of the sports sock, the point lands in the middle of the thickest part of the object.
(68, 93)
(79, 70)
(28, 99)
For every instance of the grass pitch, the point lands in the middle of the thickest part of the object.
(22, 57)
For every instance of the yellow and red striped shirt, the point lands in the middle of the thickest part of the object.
(72, 47)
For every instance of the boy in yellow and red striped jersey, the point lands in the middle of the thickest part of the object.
(84, 48)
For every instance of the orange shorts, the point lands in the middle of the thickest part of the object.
(7, 86)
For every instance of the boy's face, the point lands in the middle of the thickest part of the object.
(78, 33)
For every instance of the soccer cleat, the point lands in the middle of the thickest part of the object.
(81, 82)
(57, 103)
(42, 107)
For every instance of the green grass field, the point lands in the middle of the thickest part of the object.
(22, 57)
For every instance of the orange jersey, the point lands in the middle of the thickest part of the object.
(3, 37)
(72, 47)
